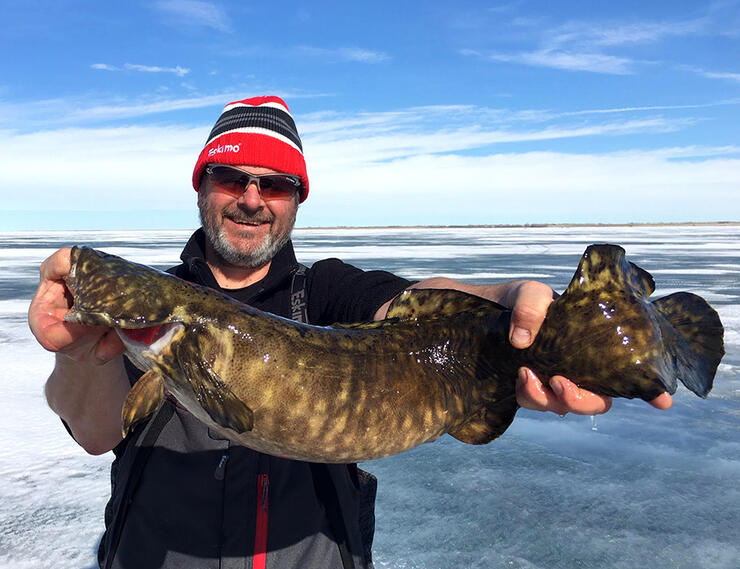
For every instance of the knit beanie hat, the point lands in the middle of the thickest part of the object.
(255, 132)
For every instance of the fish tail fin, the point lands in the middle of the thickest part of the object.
(700, 344)
(488, 423)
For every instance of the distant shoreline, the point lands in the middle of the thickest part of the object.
(431, 226)
(535, 225)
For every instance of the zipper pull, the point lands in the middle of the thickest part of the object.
(264, 491)
(221, 468)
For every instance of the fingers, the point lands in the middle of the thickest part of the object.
(57, 266)
(109, 346)
(662, 401)
(563, 397)
(531, 301)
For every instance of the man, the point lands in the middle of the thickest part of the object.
(181, 495)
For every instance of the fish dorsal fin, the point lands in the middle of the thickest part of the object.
(144, 398)
(225, 408)
(604, 266)
(694, 341)
(429, 303)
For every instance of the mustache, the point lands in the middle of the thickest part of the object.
(240, 217)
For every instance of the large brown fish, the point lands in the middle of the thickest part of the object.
(440, 363)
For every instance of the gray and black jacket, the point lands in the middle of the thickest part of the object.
(184, 497)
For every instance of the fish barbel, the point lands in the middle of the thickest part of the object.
(440, 362)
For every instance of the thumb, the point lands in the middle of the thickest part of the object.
(528, 312)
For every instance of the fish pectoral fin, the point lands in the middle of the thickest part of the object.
(694, 342)
(225, 408)
(488, 423)
(143, 399)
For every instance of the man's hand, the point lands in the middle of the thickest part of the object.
(529, 301)
(51, 302)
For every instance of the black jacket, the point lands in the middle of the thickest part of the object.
(189, 498)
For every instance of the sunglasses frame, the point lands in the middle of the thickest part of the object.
(295, 180)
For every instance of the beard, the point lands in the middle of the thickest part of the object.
(258, 254)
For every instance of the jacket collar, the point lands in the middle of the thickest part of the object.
(283, 266)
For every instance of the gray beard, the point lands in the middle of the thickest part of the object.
(231, 256)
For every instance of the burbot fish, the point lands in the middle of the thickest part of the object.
(441, 361)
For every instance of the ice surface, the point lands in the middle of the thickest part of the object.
(646, 489)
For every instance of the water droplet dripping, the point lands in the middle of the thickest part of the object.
(594, 426)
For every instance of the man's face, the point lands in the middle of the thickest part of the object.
(246, 231)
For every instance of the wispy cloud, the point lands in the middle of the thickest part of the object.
(86, 110)
(588, 46)
(610, 34)
(559, 59)
(194, 13)
(80, 111)
(724, 75)
(427, 149)
(179, 71)
(355, 54)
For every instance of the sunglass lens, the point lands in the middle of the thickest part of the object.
(228, 179)
(277, 187)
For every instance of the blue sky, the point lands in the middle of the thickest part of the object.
(410, 112)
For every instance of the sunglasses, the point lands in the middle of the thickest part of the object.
(235, 182)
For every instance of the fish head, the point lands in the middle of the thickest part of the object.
(136, 300)
(110, 291)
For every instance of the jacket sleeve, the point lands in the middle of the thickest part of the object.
(338, 292)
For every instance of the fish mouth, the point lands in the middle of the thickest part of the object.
(151, 338)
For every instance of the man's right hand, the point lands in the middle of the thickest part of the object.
(94, 344)
(89, 384)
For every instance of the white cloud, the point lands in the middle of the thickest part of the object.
(530, 187)
(354, 54)
(32, 115)
(179, 71)
(618, 33)
(571, 61)
(194, 13)
(39, 114)
(377, 169)
(589, 46)
(101, 168)
(373, 137)
(723, 75)
(105, 67)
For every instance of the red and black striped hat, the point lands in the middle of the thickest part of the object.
(255, 132)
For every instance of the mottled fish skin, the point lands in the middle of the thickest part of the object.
(440, 363)
(607, 335)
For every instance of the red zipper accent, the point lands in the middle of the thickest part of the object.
(263, 512)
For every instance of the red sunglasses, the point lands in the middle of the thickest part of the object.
(235, 182)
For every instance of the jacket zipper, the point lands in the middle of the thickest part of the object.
(263, 511)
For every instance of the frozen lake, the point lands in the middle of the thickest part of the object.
(635, 488)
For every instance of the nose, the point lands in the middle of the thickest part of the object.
(251, 199)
